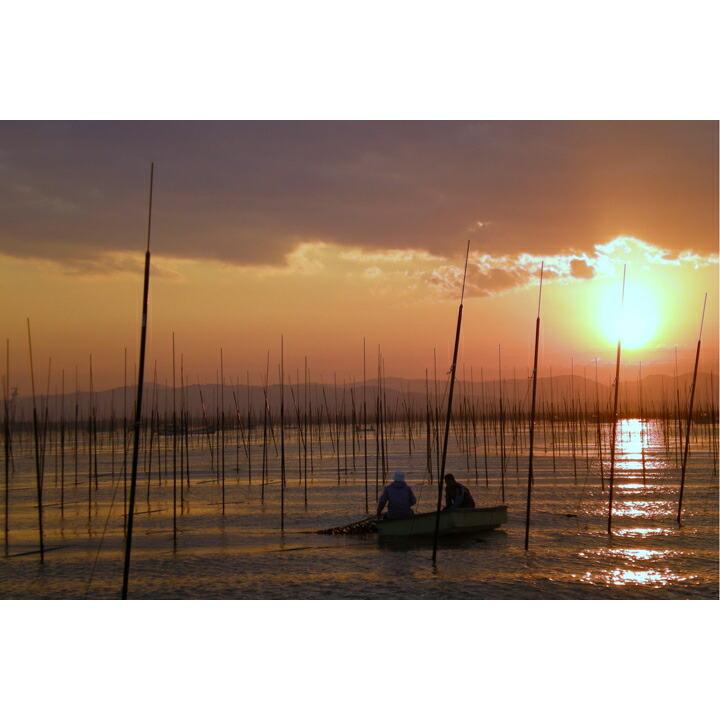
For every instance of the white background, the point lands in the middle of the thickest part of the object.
(371, 59)
(346, 660)
(359, 659)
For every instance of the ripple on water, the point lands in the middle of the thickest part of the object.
(243, 554)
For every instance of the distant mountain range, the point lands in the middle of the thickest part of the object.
(401, 395)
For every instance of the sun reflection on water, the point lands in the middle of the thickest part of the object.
(633, 458)
(641, 531)
(651, 577)
(639, 553)
(633, 566)
(642, 508)
(638, 577)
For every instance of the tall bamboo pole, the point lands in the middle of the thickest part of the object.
(502, 428)
(690, 411)
(642, 423)
(222, 427)
(448, 416)
(615, 408)
(599, 429)
(77, 421)
(282, 435)
(125, 438)
(6, 428)
(90, 445)
(532, 414)
(184, 440)
(38, 461)
(62, 447)
(249, 425)
(174, 444)
(365, 447)
(484, 428)
(138, 404)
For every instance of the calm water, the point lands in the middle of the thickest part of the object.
(244, 555)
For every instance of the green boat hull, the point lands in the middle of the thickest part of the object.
(455, 522)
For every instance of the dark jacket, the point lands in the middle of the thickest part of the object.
(399, 497)
(458, 497)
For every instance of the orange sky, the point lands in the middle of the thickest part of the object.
(309, 273)
(327, 298)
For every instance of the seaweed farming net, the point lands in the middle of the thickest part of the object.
(366, 526)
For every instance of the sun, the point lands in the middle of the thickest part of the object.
(636, 322)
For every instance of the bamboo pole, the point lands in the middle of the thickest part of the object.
(45, 415)
(308, 437)
(690, 411)
(112, 434)
(125, 439)
(678, 419)
(501, 428)
(174, 445)
(138, 405)
(77, 423)
(38, 462)
(428, 435)
(62, 447)
(599, 429)
(265, 431)
(615, 409)
(642, 423)
(532, 414)
(713, 425)
(6, 428)
(282, 435)
(571, 418)
(365, 447)
(208, 433)
(186, 428)
(153, 403)
(337, 427)
(483, 415)
(437, 414)
(182, 433)
(89, 447)
(441, 475)
(222, 427)
(249, 421)
(473, 420)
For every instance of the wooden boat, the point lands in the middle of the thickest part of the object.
(453, 522)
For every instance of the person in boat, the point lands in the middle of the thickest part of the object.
(457, 496)
(399, 498)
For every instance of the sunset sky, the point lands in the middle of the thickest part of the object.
(328, 232)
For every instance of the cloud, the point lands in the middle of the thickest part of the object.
(248, 193)
(102, 264)
(494, 274)
(625, 249)
(581, 269)
(402, 272)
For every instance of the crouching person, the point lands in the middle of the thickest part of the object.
(457, 496)
(399, 498)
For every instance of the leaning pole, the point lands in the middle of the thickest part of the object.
(138, 401)
(448, 417)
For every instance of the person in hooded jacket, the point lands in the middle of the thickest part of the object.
(399, 498)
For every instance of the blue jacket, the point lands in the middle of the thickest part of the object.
(399, 497)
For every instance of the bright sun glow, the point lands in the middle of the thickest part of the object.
(636, 322)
